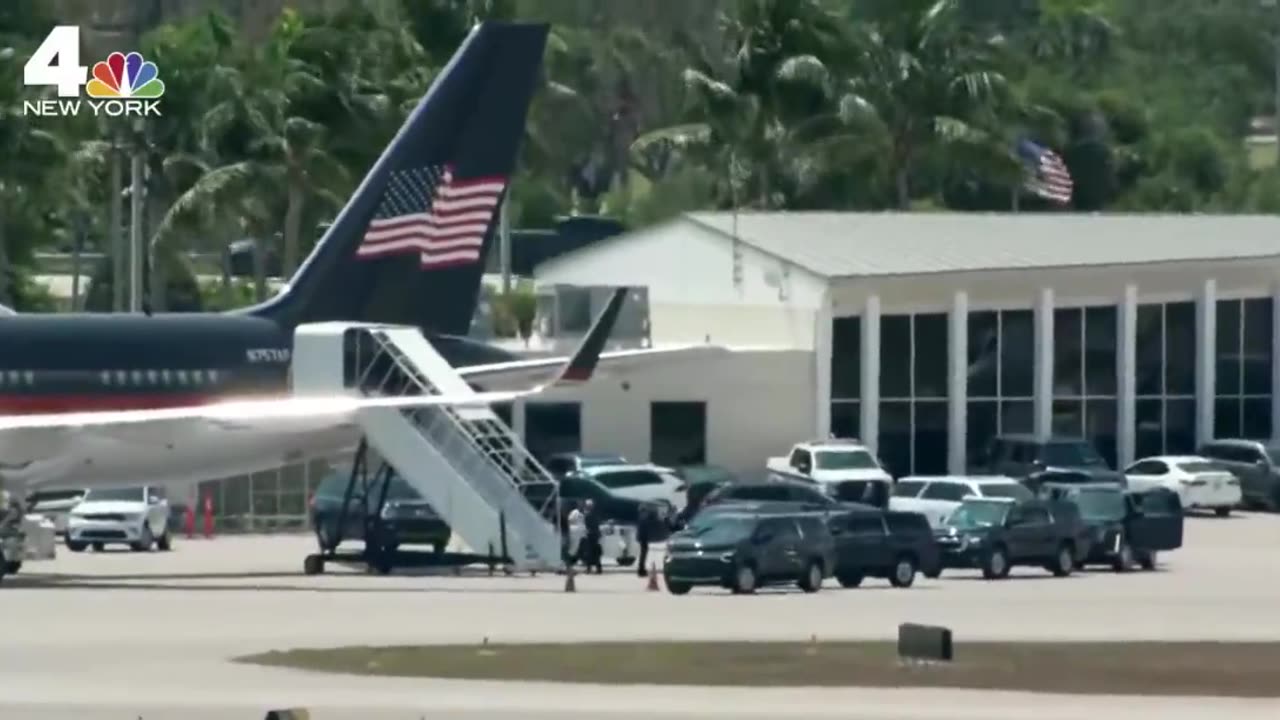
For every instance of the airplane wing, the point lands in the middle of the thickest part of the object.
(578, 368)
(613, 361)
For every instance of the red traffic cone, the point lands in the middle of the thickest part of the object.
(653, 577)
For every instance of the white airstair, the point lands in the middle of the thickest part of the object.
(464, 460)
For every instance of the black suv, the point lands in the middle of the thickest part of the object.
(745, 550)
(407, 519)
(806, 495)
(996, 534)
(1127, 528)
(892, 545)
(1025, 457)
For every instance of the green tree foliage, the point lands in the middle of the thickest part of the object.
(646, 110)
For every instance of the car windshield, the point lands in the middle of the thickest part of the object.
(51, 496)
(1100, 504)
(134, 494)
(1071, 454)
(845, 460)
(1015, 491)
(720, 528)
(696, 474)
(976, 514)
(588, 461)
(1198, 466)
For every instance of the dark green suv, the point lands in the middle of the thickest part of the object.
(406, 519)
(744, 550)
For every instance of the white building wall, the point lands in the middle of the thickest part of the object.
(701, 285)
(758, 402)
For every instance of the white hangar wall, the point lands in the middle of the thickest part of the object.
(756, 403)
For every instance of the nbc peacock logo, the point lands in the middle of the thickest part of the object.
(123, 76)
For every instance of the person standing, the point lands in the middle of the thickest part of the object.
(645, 521)
(591, 543)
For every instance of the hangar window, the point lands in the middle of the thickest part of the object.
(1000, 367)
(1165, 413)
(1242, 402)
(913, 389)
(1084, 376)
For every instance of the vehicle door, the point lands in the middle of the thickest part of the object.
(1030, 532)
(868, 540)
(778, 548)
(1154, 519)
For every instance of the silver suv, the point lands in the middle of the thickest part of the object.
(1255, 463)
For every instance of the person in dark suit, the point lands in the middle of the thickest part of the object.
(591, 543)
(645, 522)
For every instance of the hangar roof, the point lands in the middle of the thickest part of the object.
(843, 244)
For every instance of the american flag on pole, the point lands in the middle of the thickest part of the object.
(1047, 175)
(427, 211)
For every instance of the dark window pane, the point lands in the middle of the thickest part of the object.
(1016, 416)
(981, 426)
(1150, 350)
(895, 437)
(1226, 418)
(1068, 375)
(1068, 418)
(1257, 419)
(1149, 428)
(895, 356)
(846, 358)
(1257, 346)
(930, 438)
(1100, 350)
(552, 428)
(1227, 355)
(1180, 348)
(846, 419)
(984, 353)
(1100, 428)
(930, 352)
(1180, 427)
(1017, 342)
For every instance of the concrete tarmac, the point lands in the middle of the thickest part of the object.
(123, 635)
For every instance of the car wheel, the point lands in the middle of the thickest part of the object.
(849, 580)
(11, 567)
(995, 565)
(1222, 511)
(97, 547)
(1148, 560)
(744, 580)
(144, 543)
(313, 565)
(74, 546)
(904, 572)
(1065, 561)
(933, 573)
(1124, 560)
(164, 543)
(811, 582)
(677, 587)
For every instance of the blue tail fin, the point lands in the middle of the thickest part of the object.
(409, 246)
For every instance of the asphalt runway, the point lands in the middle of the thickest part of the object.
(124, 635)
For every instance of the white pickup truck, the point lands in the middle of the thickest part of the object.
(846, 469)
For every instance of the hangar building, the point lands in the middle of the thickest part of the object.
(928, 334)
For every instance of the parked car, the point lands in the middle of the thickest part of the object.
(1256, 464)
(875, 543)
(407, 519)
(55, 505)
(646, 483)
(834, 462)
(743, 551)
(133, 516)
(994, 535)
(1128, 527)
(1199, 482)
(938, 497)
(562, 464)
(1024, 456)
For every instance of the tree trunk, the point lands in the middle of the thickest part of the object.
(114, 227)
(902, 184)
(292, 224)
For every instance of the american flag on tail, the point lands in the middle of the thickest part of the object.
(1047, 175)
(429, 212)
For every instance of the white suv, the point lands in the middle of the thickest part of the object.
(647, 483)
(134, 516)
(937, 497)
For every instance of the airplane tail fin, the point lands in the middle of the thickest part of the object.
(409, 246)
(582, 364)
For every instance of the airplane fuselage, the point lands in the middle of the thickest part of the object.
(76, 363)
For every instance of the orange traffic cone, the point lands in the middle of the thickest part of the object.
(653, 577)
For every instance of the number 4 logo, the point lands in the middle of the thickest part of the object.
(57, 62)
